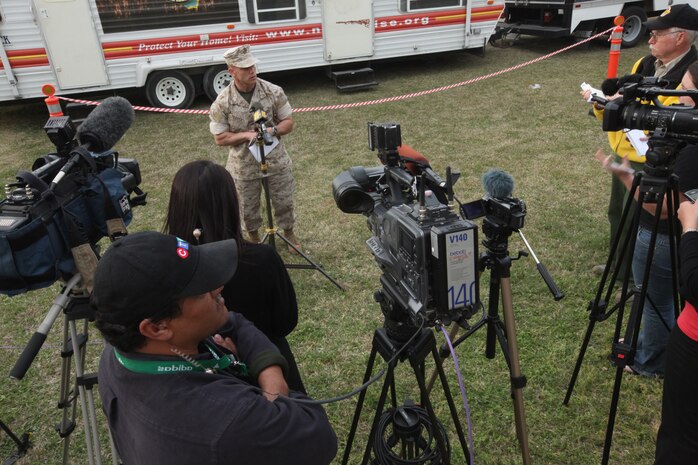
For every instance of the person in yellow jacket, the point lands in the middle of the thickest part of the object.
(671, 52)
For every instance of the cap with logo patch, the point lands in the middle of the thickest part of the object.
(682, 16)
(142, 273)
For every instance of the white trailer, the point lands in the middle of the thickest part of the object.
(174, 48)
(581, 18)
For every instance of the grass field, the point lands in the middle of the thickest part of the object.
(542, 135)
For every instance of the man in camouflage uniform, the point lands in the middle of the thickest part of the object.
(232, 125)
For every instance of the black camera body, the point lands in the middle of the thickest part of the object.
(507, 212)
(633, 111)
(426, 252)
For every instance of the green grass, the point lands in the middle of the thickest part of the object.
(543, 137)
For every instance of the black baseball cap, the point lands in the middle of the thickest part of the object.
(142, 273)
(682, 16)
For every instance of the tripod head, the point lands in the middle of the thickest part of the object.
(661, 155)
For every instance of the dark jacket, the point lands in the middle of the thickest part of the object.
(193, 417)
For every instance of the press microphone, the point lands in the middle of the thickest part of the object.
(100, 131)
(613, 85)
(498, 184)
(106, 124)
(260, 117)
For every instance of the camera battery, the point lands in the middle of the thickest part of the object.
(454, 252)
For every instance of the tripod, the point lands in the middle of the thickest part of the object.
(23, 444)
(74, 302)
(271, 232)
(416, 351)
(496, 258)
(654, 185)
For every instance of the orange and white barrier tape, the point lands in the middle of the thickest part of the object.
(365, 103)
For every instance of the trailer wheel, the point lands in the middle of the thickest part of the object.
(633, 28)
(216, 78)
(170, 89)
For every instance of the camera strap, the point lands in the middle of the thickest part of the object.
(168, 367)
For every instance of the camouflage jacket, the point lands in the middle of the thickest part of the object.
(231, 113)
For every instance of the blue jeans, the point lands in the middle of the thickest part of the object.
(651, 346)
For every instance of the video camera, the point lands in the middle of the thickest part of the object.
(640, 108)
(427, 253)
(505, 212)
(71, 197)
(632, 110)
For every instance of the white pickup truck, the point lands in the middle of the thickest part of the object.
(579, 18)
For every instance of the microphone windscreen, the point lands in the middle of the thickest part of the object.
(630, 79)
(498, 183)
(106, 124)
(610, 86)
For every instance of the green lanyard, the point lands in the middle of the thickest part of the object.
(166, 367)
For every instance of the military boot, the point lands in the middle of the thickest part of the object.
(253, 236)
(288, 234)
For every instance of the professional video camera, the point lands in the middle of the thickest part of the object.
(71, 198)
(671, 126)
(427, 253)
(631, 111)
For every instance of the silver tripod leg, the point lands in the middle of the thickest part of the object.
(86, 396)
(515, 369)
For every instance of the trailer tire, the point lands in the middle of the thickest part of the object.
(633, 28)
(170, 89)
(216, 78)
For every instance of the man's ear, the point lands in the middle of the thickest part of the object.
(159, 331)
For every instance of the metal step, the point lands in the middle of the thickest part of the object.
(353, 79)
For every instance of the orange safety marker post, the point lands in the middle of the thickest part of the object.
(614, 54)
(52, 102)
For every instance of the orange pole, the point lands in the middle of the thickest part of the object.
(614, 54)
(52, 102)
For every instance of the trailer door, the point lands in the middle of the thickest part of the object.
(347, 29)
(72, 45)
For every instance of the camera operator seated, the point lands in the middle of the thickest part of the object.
(649, 359)
(677, 442)
(184, 381)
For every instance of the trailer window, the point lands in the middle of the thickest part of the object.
(267, 11)
(415, 5)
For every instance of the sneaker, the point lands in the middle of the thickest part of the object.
(630, 369)
(598, 269)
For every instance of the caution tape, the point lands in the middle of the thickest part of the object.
(365, 103)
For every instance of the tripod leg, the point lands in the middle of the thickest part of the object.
(389, 381)
(311, 264)
(440, 361)
(359, 406)
(517, 380)
(91, 442)
(440, 440)
(66, 403)
(598, 307)
(451, 405)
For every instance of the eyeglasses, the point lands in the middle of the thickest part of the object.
(656, 35)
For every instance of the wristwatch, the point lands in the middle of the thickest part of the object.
(274, 131)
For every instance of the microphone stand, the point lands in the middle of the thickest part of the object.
(271, 232)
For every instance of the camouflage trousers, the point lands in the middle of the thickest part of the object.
(281, 188)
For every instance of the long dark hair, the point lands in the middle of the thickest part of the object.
(203, 197)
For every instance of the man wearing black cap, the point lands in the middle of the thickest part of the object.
(181, 379)
(671, 51)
